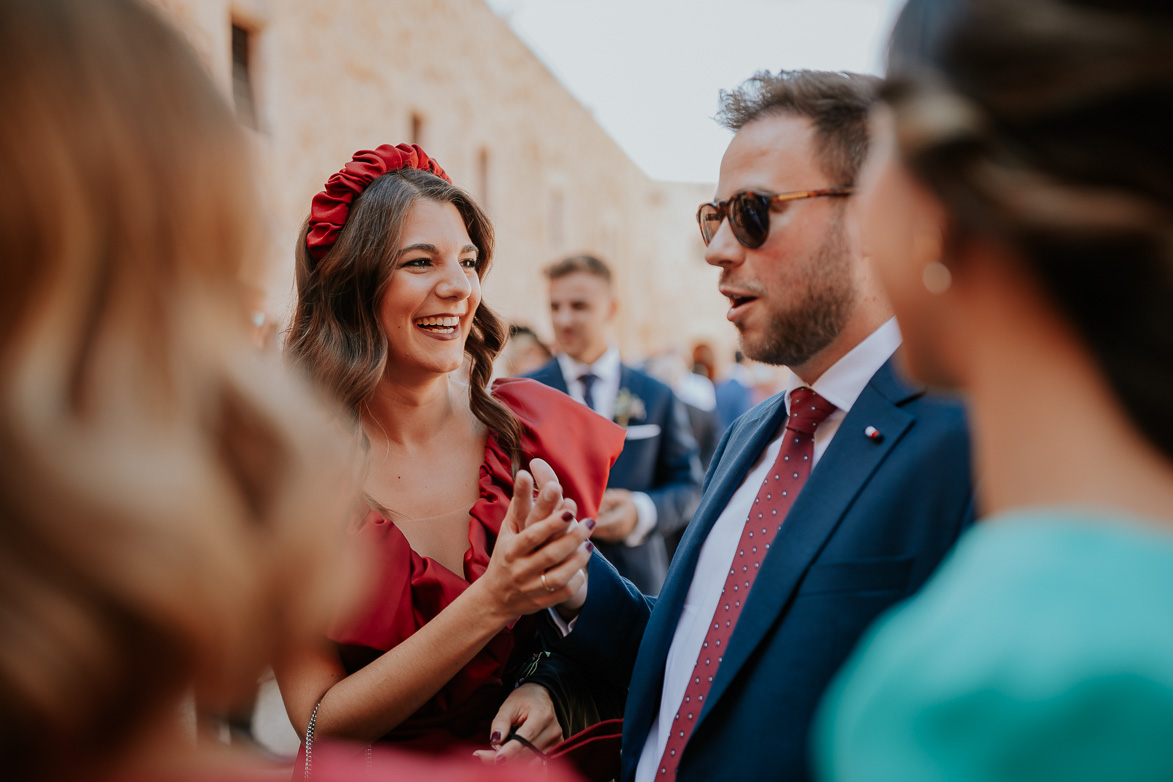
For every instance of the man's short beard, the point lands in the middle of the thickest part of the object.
(798, 334)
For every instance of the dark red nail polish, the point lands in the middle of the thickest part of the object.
(500, 759)
(495, 738)
(590, 546)
(567, 515)
(590, 523)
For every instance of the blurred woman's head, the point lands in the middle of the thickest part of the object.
(1038, 132)
(524, 352)
(343, 333)
(155, 473)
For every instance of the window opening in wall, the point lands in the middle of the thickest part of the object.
(417, 129)
(242, 79)
(483, 177)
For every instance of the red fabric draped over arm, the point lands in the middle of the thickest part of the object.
(578, 443)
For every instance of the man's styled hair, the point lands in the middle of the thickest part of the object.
(579, 263)
(837, 103)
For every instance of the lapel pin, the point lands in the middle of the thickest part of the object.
(873, 434)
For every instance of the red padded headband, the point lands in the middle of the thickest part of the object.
(330, 207)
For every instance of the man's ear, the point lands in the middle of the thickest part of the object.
(612, 308)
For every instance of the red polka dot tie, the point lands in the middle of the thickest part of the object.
(781, 486)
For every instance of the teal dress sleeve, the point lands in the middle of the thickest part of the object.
(1041, 650)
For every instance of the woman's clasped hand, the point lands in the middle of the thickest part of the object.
(539, 562)
(542, 550)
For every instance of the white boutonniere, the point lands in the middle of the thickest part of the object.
(628, 407)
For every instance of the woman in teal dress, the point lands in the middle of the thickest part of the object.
(1019, 210)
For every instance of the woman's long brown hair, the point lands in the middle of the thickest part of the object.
(335, 334)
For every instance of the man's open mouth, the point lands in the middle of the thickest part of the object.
(737, 301)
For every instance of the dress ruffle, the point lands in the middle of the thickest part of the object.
(410, 590)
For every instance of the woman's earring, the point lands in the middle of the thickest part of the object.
(937, 278)
(927, 243)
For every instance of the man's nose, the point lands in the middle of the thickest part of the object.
(560, 317)
(724, 249)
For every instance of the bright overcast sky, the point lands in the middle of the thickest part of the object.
(650, 70)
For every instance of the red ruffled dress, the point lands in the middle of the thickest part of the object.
(410, 589)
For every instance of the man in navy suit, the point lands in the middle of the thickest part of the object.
(655, 482)
(888, 493)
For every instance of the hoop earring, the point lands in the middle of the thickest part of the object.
(936, 278)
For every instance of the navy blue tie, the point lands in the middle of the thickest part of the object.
(588, 384)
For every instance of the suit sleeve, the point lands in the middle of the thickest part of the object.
(608, 631)
(677, 490)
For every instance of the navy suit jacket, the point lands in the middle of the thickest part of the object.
(663, 465)
(869, 527)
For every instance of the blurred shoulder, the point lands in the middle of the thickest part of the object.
(1039, 633)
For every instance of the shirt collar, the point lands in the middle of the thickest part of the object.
(845, 380)
(606, 368)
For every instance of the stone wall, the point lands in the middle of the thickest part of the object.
(330, 78)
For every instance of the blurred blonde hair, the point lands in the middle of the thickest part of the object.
(165, 495)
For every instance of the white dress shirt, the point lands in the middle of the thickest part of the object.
(840, 385)
(606, 387)
(606, 370)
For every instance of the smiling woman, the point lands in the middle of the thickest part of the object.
(389, 312)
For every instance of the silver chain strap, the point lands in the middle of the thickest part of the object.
(309, 743)
(309, 740)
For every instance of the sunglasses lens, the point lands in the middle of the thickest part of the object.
(709, 218)
(750, 216)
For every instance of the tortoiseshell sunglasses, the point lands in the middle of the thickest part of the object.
(749, 213)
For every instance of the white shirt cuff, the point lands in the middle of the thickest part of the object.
(563, 626)
(646, 521)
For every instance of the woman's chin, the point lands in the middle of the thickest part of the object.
(447, 365)
(422, 366)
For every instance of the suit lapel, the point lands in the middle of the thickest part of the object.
(625, 378)
(844, 469)
(634, 385)
(648, 676)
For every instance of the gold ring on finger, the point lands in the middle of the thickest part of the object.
(546, 585)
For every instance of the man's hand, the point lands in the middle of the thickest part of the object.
(617, 516)
(530, 710)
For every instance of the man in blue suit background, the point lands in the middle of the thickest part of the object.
(735, 392)
(655, 483)
(888, 492)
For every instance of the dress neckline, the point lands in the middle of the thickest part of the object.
(400, 519)
(479, 519)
